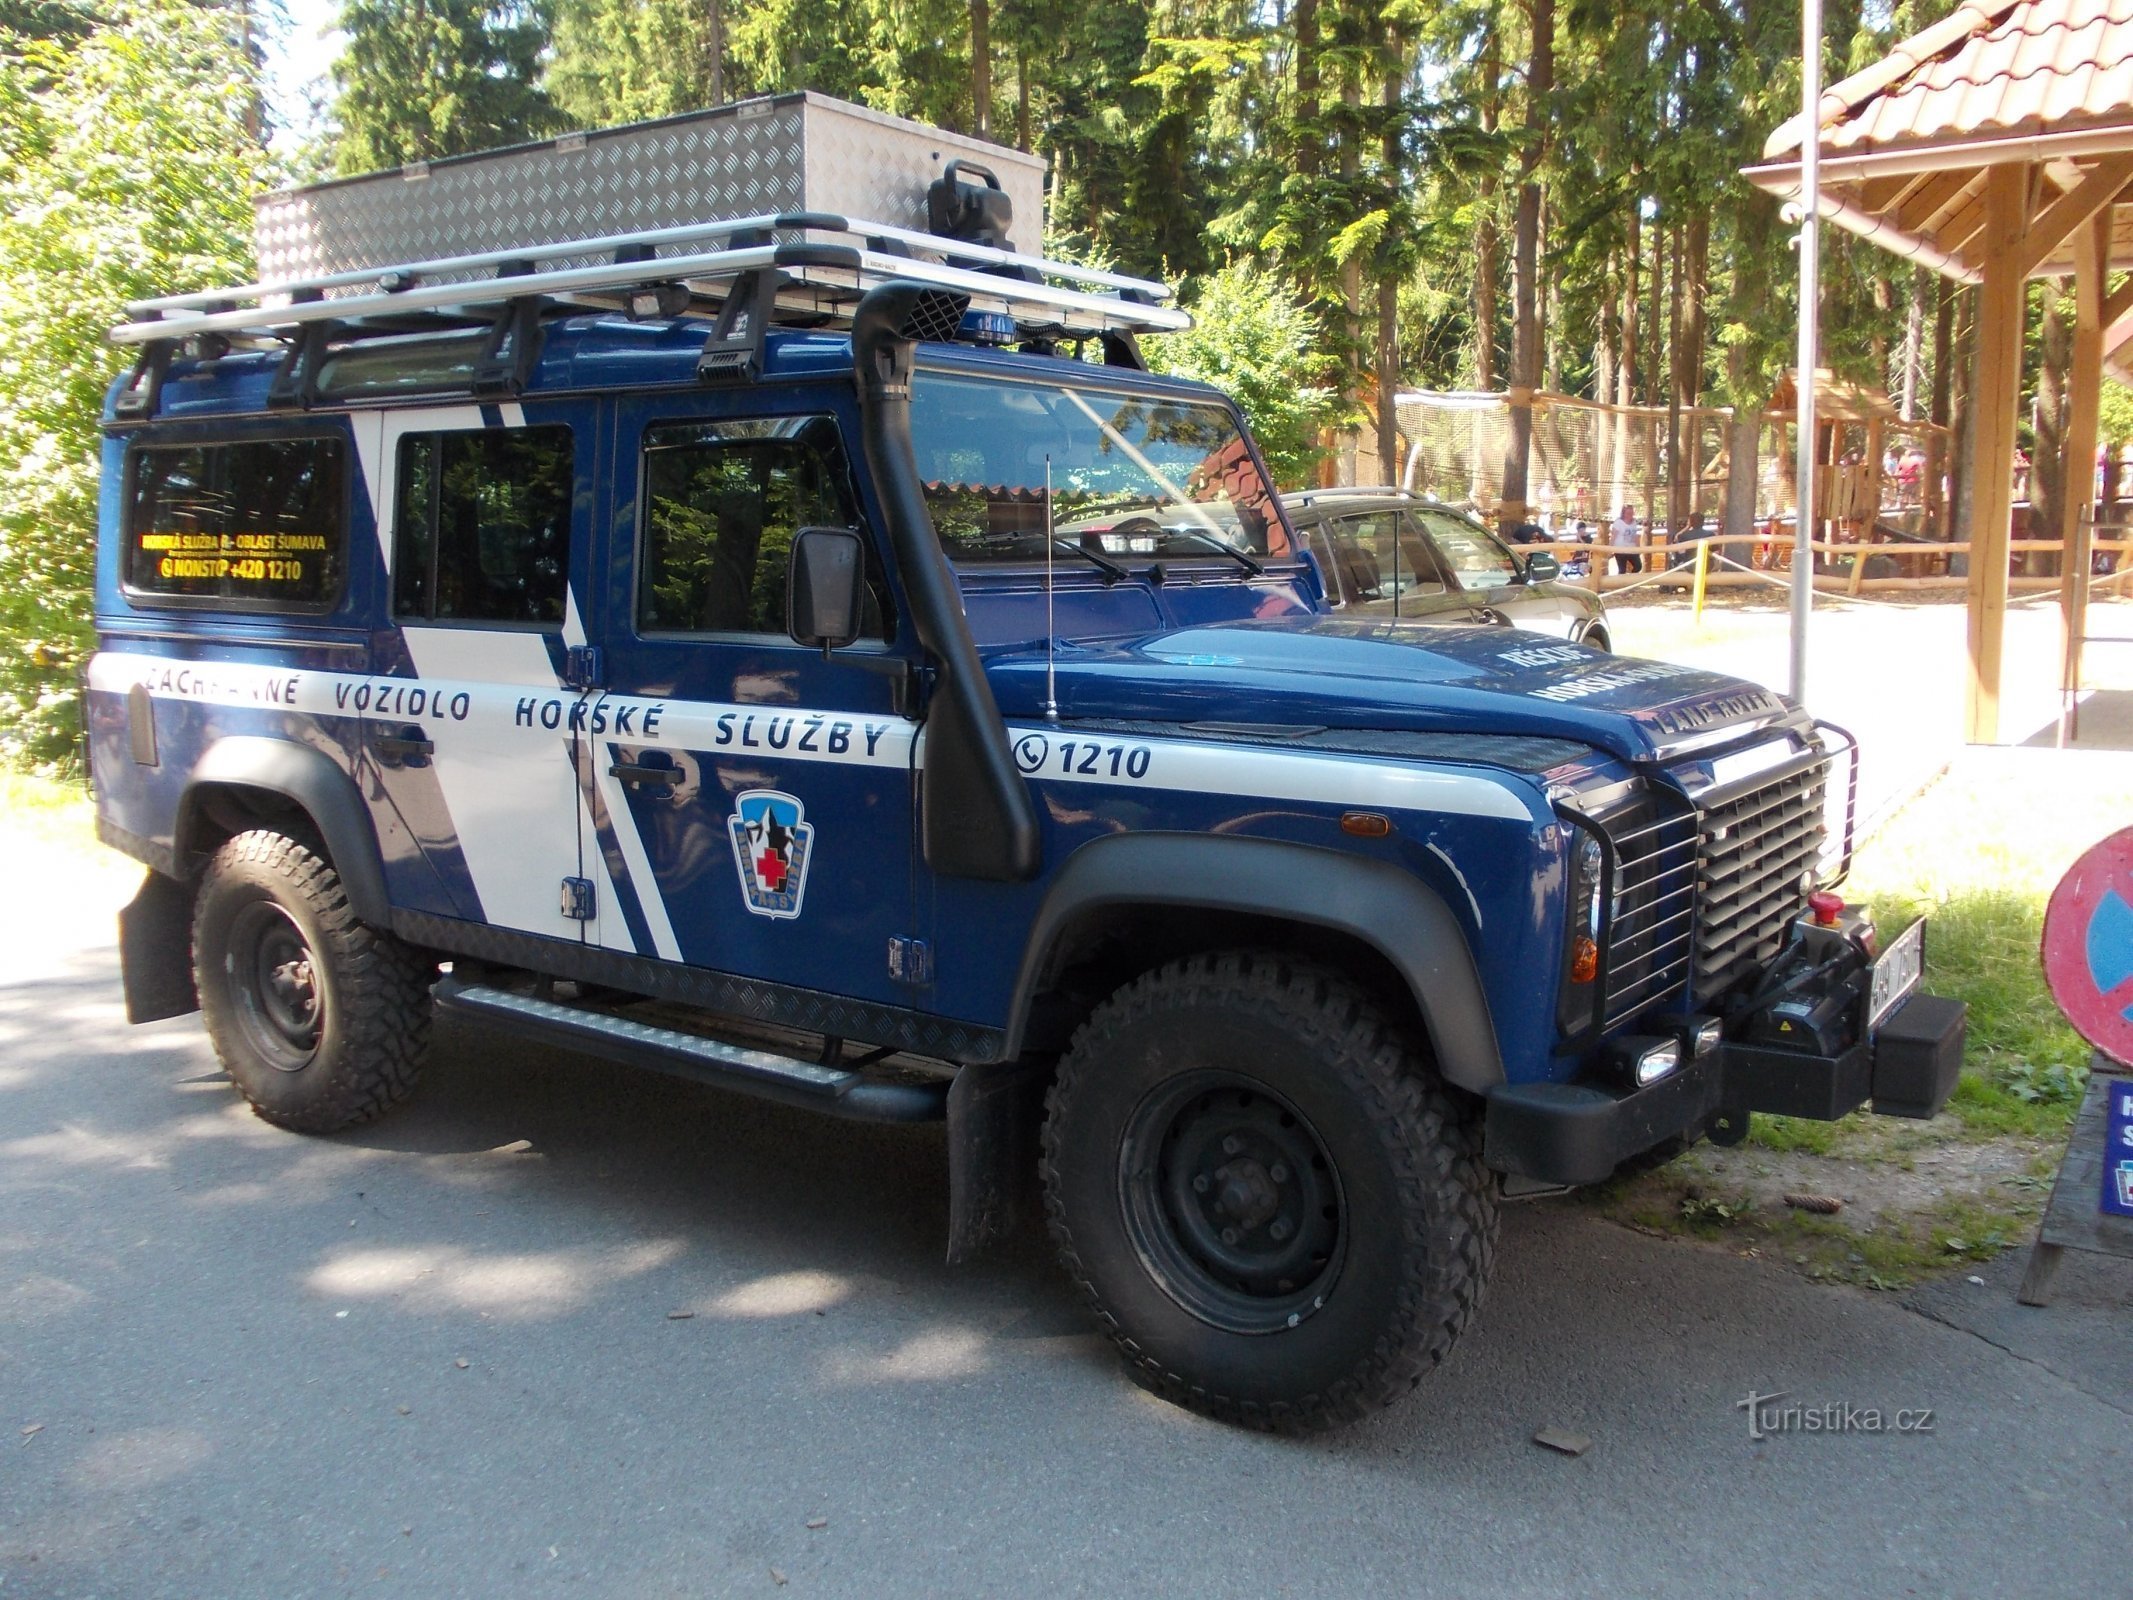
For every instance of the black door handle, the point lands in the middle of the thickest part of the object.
(407, 746)
(632, 773)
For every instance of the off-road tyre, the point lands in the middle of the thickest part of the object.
(280, 957)
(1291, 1052)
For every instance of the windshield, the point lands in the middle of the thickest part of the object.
(1129, 475)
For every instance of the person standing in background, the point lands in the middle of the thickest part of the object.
(1622, 536)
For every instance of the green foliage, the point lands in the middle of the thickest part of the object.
(2114, 420)
(421, 79)
(125, 171)
(1250, 338)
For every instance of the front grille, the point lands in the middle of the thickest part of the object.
(1700, 897)
(1759, 851)
(1648, 949)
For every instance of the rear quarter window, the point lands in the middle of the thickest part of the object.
(251, 524)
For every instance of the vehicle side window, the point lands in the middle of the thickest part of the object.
(1390, 564)
(481, 526)
(1473, 553)
(1422, 565)
(722, 501)
(1329, 566)
(1364, 546)
(257, 524)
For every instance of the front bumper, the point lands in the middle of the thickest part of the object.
(1581, 1132)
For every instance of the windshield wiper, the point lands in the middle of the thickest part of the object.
(1249, 563)
(1112, 571)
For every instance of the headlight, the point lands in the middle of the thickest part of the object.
(1584, 920)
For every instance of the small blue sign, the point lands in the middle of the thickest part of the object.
(2118, 1148)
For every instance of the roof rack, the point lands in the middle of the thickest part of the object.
(817, 275)
(1343, 491)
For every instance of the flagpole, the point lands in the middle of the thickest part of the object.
(1803, 557)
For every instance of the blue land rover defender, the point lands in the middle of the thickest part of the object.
(820, 659)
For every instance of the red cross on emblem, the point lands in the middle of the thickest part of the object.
(770, 870)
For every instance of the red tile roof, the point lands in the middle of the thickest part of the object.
(1990, 69)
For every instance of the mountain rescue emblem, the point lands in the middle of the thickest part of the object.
(772, 844)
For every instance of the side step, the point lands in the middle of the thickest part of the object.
(763, 1073)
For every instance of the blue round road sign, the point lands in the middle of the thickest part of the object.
(2088, 946)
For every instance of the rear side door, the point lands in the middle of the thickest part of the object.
(469, 730)
(1404, 577)
(752, 799)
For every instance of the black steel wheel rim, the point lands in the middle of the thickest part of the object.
(1232, 1202)
(280, 1001)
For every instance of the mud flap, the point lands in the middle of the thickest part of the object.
(156, 950)
(993, 1115)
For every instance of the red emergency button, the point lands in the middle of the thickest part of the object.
(1826, 906)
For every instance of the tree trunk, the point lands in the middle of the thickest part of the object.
(1654, 385)
(1884, 303)
(1679, 480)
(254, 115)
(1627, 446)
(1525, 267)
(1388, 351)
(1487, 268)
(981, 67)
(1964, 367)
(1693, 295)
(715, 50)
(1914, 338)
(1351, 167)
(1934, 490)
(2051, 475)
(1488, 239)
(1603, 390)
(1022, 98)
(1551, 312)
(1744, 441)
(1307, 143)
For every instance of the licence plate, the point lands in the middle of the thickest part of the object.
(1897, 971)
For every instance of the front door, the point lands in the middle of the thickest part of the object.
(753, 799)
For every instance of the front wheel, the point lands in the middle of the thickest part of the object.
(1278, 1213)
(320, 1021)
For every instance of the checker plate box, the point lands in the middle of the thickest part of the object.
(789, 152)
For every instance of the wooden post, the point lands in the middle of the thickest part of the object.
(2092, 255)
(1997, 392)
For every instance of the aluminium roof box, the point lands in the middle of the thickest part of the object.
(780, 153)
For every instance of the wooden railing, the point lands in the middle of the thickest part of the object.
(1775, 554)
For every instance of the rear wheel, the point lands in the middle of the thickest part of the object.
(320, 1021)
(1277, 1212)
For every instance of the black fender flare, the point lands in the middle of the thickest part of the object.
(318, 786)
(1394, 912)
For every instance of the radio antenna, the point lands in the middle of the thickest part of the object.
(1051, 680)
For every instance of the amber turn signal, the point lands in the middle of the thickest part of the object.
(1584, 959)
(1365, 824)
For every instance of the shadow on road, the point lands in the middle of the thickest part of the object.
(562, 1326)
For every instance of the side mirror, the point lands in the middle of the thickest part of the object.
(1542, 567)
(825, 584)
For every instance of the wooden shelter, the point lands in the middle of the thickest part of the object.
(1996, 146)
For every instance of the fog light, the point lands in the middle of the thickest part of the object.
(1657, 1062)
(1709, 1034)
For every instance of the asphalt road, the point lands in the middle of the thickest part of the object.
(441, 1357)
